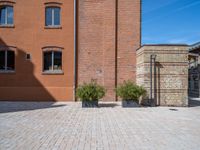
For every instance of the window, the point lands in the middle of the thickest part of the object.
(7, 60)
(52, 61)
(52, 16)
(6, 15)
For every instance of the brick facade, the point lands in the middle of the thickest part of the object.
(29, 35)
(108, 36)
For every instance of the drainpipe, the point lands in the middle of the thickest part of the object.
(155, 94)
(151, 79)
(116, 47)
(152, 61)
(75, 50)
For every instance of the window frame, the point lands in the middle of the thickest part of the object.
(6, 62)
(8, 3)
(52, 7)
(52, 50)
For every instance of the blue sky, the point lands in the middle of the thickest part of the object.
(170, 21)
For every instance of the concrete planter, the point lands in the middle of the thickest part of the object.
(90, 104)
(129, 103)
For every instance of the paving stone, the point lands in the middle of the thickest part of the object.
(68, 126)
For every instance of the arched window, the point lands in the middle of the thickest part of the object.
(52, 60)
(52, 16)
(6, 15)
(7, 60)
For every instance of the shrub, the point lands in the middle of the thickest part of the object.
(130, 91)
(90, 91)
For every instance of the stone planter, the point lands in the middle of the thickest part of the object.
(89, 104)
(129, 103)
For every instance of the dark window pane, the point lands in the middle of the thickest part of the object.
(47, 61)
(2, 60)
(3, 15)
(56, 16)
(28, 56)
(10, 60)
(48, 21)
(57, 61)
(9, 15)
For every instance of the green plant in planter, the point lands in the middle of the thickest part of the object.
(129, 91)
(90, 92)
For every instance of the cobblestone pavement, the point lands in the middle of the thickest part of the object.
(67, 126)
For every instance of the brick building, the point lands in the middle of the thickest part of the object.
(48, 47)
(36, 50)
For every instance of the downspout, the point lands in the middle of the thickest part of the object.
(155, 90)
(152, 65)
(75, 50)
(151, 98)
(116, 47)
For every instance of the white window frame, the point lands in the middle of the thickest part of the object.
(53, 24)
(52, 17)
(6, 15)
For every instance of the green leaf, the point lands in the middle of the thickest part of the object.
(90, 91)
(130, 91)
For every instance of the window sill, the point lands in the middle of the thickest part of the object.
(7, 26)
(53, 27)
(57, 72)
(7, 72)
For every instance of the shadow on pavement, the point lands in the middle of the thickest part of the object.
(6, 107)
(108, 105)
(194, 102)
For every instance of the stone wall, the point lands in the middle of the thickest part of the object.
(171, 73)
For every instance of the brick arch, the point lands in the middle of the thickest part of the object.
(7, 3)
(52, 4)
(52, 48)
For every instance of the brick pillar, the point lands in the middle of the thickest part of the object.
(96, 43)
(128, 38)
(109, 47)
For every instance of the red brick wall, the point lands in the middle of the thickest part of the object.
(108, 36)
(128, 38)
(29, 36)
